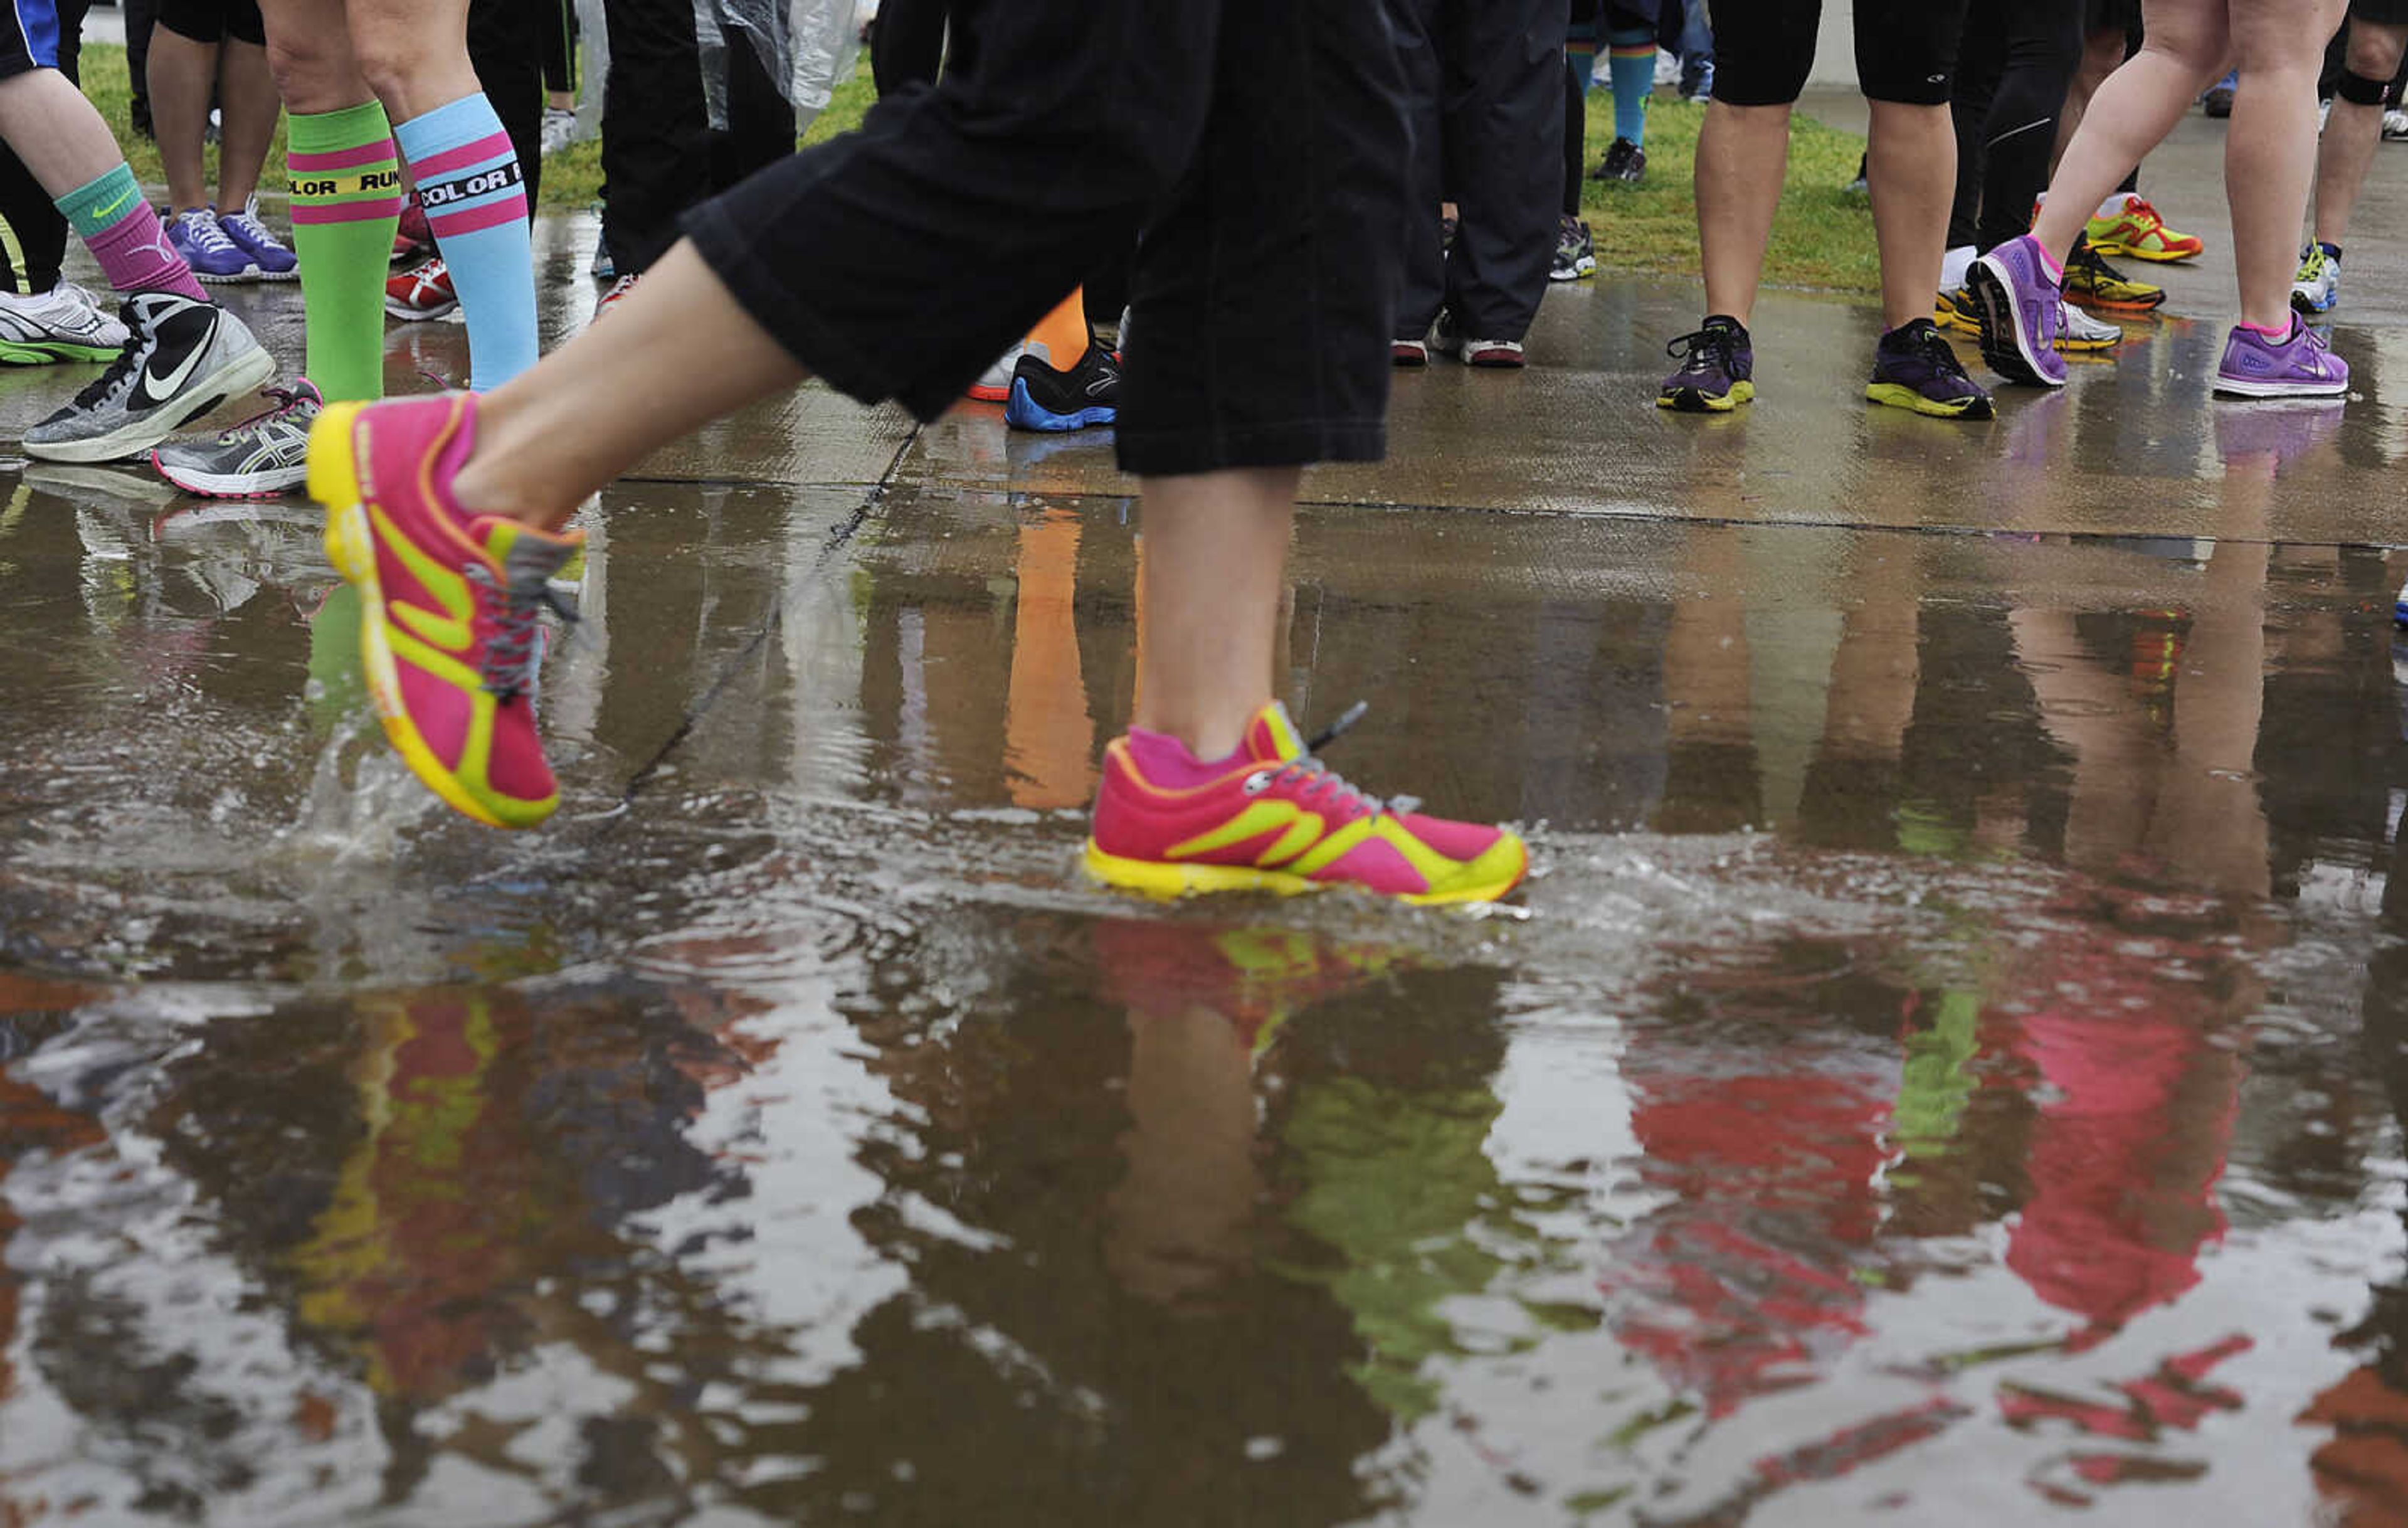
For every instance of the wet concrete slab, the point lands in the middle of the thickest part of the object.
(1948, 1062)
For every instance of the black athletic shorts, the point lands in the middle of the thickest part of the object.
(214, 21)
(32, 37)
(1906, 49)
(2380, 12)
(2113, 16)
(1260, 145)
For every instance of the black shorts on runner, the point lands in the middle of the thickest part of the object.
(32, 41)
(214, 21)
(2380, 12)
(1259, 146)
(1906, 49)
(2114, 16)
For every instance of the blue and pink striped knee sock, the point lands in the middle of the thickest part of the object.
(468, 182)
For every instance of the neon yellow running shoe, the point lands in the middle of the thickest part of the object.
(2135, 229)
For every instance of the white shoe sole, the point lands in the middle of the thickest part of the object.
(2229, 388)
(251, 369)
(233, 485)
(408, 314)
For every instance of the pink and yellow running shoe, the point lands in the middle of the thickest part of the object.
(449, 601)
(2136, 230)
(1272, 818)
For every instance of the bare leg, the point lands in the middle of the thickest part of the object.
(2347, 147)
(414, 52)
(676, 354)
(1911, 168)
(2133, 111)
(249, 110)
(1216, 564)
(2269, 155)
(1742, 153)
(310, 56)
(181, 74)
(55, 131)
(2103, 54)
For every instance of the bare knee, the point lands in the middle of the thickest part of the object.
(2375, 51)
(314, 74)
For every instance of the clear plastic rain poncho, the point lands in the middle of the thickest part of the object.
(805, 45)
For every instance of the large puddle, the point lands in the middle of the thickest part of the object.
(1948, 1066)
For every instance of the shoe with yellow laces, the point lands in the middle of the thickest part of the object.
(2132, 227)
(1272, 818)
(450, 601)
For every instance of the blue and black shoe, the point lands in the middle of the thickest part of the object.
(1043, 398)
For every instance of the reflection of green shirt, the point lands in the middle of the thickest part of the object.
(1392, 1183)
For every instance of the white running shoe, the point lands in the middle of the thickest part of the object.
(995, 383)
(65, 324)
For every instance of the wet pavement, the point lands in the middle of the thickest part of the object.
(1950, 1064)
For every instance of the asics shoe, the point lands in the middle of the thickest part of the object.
(1272, 818)
(1043, 398)
(1625, 161)
(2090, 279)
(2135, 229)
(995, 383)
(265, 456)
(412, 239)
(1575, 251)
(2019, 301)
(2317, 286)
(206, 248)
(450, 601)
(2079, 334)
(1954, 309)
(422, 292)
(180, 359)
(1717, 369)
(269, 256)
(65, 324)
(2298, 366)
(1916, 368)
(617, 295)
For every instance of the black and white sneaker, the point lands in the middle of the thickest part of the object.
(182, 358)
(265, 457)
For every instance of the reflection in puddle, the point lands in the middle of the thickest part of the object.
(1949, 1054)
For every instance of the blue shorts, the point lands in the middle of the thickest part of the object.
(30, 39)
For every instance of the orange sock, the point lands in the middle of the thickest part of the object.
(1063, 332)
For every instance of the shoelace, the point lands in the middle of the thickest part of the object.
(205, 232)
(1942, 355)
(121, 372)
(1320, 780)
(1702, 350)
(516, 613)
(252, 229)
(284, 401)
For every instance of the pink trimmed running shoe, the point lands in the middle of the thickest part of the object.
(1272, 818)
(450, 601)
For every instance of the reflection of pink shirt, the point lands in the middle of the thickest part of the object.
(2122, 1192)
(1746, 1282)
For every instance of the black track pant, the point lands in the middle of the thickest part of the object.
(2012, 71)
(505, 49)
(1484, 81)
(659, 154)
(41, 231)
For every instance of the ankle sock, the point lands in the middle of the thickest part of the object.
(1164, 761)
(469, 183)
(346, 200)
(2113, 205)
(2277, 335)
(115, 221)
(1631, 67)
(1953, 265)
(1064, 332)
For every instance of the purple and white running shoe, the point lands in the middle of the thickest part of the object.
(206, 248)
(2018, 303)
(2297, 365)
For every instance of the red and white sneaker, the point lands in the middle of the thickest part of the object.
(1272, 818)
(617, 295)
(1493, 353)
(422, 292)
(412, 239)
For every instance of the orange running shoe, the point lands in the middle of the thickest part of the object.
(450, 601)
(2138, 231)
(1272, 818)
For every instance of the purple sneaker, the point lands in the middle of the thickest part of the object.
(268, 253)
(206, 248)
(2298, 366)
(2018, 301)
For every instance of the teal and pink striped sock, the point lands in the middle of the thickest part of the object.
(468, 181)
(115, 221)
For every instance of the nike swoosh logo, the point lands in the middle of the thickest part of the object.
(110, 211)
(174, 379)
